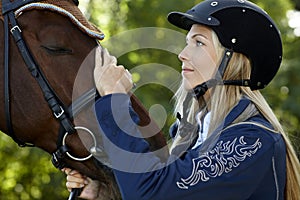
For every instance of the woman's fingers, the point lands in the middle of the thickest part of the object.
(77, 184)
(75, 179)
(126, 81)
(109, 59)
(66, 170)
(103, 58)
(106, 78)
(112, 79)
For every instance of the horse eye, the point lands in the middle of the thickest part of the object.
(57, 50)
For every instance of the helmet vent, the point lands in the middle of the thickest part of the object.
(258, 83)
(214, 3)
(241, 1)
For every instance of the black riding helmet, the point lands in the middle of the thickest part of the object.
(242, 27)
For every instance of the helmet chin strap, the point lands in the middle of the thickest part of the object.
(201, 89)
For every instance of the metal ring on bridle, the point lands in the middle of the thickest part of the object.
(83, 129)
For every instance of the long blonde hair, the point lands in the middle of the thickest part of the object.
(222, 100)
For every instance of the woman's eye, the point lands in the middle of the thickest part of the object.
(199, 43)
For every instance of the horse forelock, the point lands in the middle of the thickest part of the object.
(67, 8)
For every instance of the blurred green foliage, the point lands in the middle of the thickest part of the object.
(28, 173)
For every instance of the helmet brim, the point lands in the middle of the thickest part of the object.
(186, 21)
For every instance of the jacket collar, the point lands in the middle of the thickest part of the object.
(233, 114)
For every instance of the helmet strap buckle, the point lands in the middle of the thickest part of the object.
(224, 63)
(201, 89)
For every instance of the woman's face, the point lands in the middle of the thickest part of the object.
(198, 57)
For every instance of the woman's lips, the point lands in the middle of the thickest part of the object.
(187, 70)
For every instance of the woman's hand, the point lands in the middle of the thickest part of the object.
(110, 78)
(90, 187)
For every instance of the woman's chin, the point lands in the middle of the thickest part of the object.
(187, 87)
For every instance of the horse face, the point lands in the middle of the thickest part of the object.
(60, 49)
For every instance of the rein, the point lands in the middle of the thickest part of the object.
(62, 113)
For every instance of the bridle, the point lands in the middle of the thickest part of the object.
(62, 113)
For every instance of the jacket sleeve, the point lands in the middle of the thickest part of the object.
(231, 169)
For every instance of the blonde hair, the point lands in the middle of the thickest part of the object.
(224, 97)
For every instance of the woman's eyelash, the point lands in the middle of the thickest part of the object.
(199, 43)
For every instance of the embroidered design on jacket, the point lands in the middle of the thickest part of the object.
(222, 159)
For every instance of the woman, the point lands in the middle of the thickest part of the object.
(228, 143)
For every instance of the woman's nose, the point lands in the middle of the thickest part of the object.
(183, 55)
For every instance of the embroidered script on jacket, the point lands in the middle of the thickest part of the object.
(221, 159)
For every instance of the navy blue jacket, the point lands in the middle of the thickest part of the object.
(245, 161)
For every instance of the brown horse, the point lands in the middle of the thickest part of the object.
(61, 42)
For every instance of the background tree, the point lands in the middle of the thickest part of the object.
(27, 173)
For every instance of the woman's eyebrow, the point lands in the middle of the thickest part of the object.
(197, 34)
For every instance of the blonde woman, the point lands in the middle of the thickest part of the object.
(228, 144)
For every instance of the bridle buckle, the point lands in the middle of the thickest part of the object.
(58, 115)
(12, 30)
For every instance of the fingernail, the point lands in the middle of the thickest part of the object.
(133, 85)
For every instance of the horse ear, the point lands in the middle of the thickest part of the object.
(76, 2)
